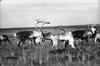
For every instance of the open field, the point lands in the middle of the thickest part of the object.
(43, 55)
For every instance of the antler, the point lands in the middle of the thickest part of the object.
(44, 24)
(38, 21)
(41, 28)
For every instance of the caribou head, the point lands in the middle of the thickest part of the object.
(93, 28)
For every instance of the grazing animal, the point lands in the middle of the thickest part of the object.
(54, 39)
(84, 34)
(71, 36)
(5, 38)
(22, 36)
(40, 37)
(37, 35)
(60, 37)
(80, 34)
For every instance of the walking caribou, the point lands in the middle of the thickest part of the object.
(5, 38)
(37, 35)
(71, 36)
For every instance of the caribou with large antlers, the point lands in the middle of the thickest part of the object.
(37, 35)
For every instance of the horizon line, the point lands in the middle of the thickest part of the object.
(49, 26)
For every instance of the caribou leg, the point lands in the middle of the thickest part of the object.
(54, 43)
(72, 44)
(19, 44)
(31, 42)
(95, 39)
(66, 43)
(34, 39)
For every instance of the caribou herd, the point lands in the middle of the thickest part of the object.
(38, 36)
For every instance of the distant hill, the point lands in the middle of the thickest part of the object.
(2, 30)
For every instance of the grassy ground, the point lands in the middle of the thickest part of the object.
(43, 55)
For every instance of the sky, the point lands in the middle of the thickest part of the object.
(22, 13)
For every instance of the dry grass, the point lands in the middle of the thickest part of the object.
(43, 55)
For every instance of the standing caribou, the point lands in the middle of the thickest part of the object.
(71, 36)
(83, 34)
(5, 38)
(22, 36)
(37, 35)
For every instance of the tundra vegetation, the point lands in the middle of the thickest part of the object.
(43, 54)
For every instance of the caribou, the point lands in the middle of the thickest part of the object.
(37, 35)
(22, 36)
(71, 36)
(5, 38)
(60, 37)
(83, 34)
